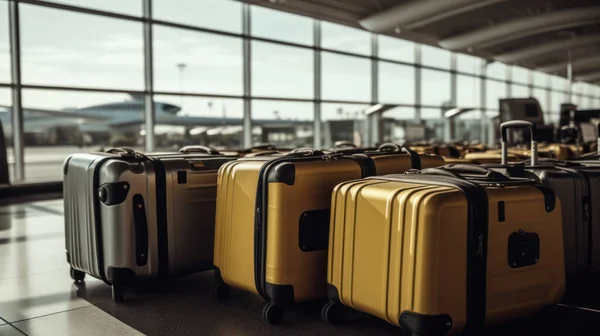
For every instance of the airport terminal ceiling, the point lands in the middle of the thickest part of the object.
(535, 34)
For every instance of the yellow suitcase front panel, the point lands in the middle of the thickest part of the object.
(286, 263)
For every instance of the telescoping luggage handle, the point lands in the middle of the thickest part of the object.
(199, 149)
(505, 126)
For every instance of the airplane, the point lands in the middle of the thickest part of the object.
(100, 123)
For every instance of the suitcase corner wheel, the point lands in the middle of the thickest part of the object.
(220, 288)
(273, 313)
(77, 275)
(333, 313)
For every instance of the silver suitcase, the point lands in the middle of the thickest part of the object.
(577, 188)
(129, 215)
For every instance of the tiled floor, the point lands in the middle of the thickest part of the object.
(37, 297)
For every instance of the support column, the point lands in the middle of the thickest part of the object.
(449, 123)
(17, 104)
(569, 79)
(509, 82)
(247, 68)
(317, 130)
(487, 127)
(530, 82)
(149, 111)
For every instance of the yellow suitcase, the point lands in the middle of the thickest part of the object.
(390, 158)
(272, 225)
(412, 250)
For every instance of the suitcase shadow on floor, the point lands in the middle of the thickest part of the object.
(187, 306)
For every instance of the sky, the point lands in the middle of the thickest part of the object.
(72, 49)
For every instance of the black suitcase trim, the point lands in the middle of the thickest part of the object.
(264, 289)
(162, 229)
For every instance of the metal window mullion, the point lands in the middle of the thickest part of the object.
(509, 82)
(17, 104)
(149, 107)
(549, 94)
(485, 133)
(530, 82)
(417, 83)
(375, 118)
(453, 81)
(317, 71)
(247, 75)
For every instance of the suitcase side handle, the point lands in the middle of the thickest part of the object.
(344, 144)
(199, 149)
(505, 126)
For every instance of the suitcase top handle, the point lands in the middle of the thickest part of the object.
(344, 144)
(304, 152)
(126, 152)
(199, 149)
(505, 126)
(454, 170)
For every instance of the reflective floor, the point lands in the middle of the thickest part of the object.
(37, 297)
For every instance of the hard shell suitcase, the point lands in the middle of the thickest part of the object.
(129, 215)
(390, 158)
(571, 183)
(272, 225)
(439, 253)
(491, 156)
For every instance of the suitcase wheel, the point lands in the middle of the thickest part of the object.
(273, 313)
(221, 290)
(332, 313)
(77, 275)
(117, 293)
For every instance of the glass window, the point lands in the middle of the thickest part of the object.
(290, 27)
(519, 91)
(344, 122)
(338, 37)
(556, 99)
(281, 71)
(542, 96)
(396, 126)
(496, 70)
(558, 83)
(396, 83)
(6, 120)
(4, 44)
(435, 87)
(468, 92)
(223, 15)
(294, 126)
(553, 118)
(346, 78)
(468, 64)
(434, 122)
(60, 123)
(129, 7)
(100, 52)
(494, 91)
(189, 61)
(540, 79)
(396, 49)
(520, 75)
(435, 57)
(579, 87)
(208, 121)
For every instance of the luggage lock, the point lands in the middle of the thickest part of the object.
(523, 249)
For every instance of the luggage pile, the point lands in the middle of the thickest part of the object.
(435, 239)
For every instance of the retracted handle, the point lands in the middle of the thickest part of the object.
(344, 144)
(199, 149)
(505, 126)
(598, 135)
(392, 147)
(305, 152)
(263, 153)
(440, 171)
(264, 147)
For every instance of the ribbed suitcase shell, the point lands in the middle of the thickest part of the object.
(402, 247)
(102, 237)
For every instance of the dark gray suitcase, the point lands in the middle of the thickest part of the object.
(129, 215)
(578, 188)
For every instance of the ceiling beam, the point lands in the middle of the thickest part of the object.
(546, 48)
(523, 27)
(579, 63)
(590, 77)
(417, 13)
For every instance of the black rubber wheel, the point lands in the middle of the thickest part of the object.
(117, 293)
(332, 313)
(221, 290)
(273, 313)
(77, 275)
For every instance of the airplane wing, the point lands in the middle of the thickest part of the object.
(33, 113)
